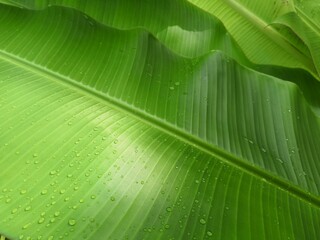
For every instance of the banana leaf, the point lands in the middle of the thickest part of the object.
(111, 134)
(251, 23)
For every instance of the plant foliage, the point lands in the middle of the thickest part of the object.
(166, 119)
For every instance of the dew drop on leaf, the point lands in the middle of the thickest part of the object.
(41, 220)
(72, 222)
(23, 191)
(14, 210)
(202, 221)
(44, 192)
(26, 226)
(28, 208)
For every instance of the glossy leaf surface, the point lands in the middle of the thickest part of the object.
(110, 134)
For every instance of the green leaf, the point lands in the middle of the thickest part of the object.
(250, 23)
(308, 33)
(192, 32)
(108, 134)
(190, 37)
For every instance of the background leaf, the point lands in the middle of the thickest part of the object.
(249, 22)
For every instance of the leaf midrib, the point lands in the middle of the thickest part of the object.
(165, 127)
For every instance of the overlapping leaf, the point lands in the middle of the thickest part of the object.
(250, 23)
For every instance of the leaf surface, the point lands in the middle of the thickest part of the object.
(91, 149)
(250, 23)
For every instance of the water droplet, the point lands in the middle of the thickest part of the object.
(115, 141)
(26, 226)
(66, 199)
(41, 220)
(72, 222)
(93, 196)
(35, 155)
(263, 150)
(44, 192)
(62, 191)
(166, 226)
(112, 198)
(177, 83)
(169, 209)
(56, 214)
(209, 233)
(81, 201)
(23, 191)
(202, 221)
(14, 210)
(50, 237)
(171, 88)
(197, 181)
(52, 220)
(279, 160)
(28, 208)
